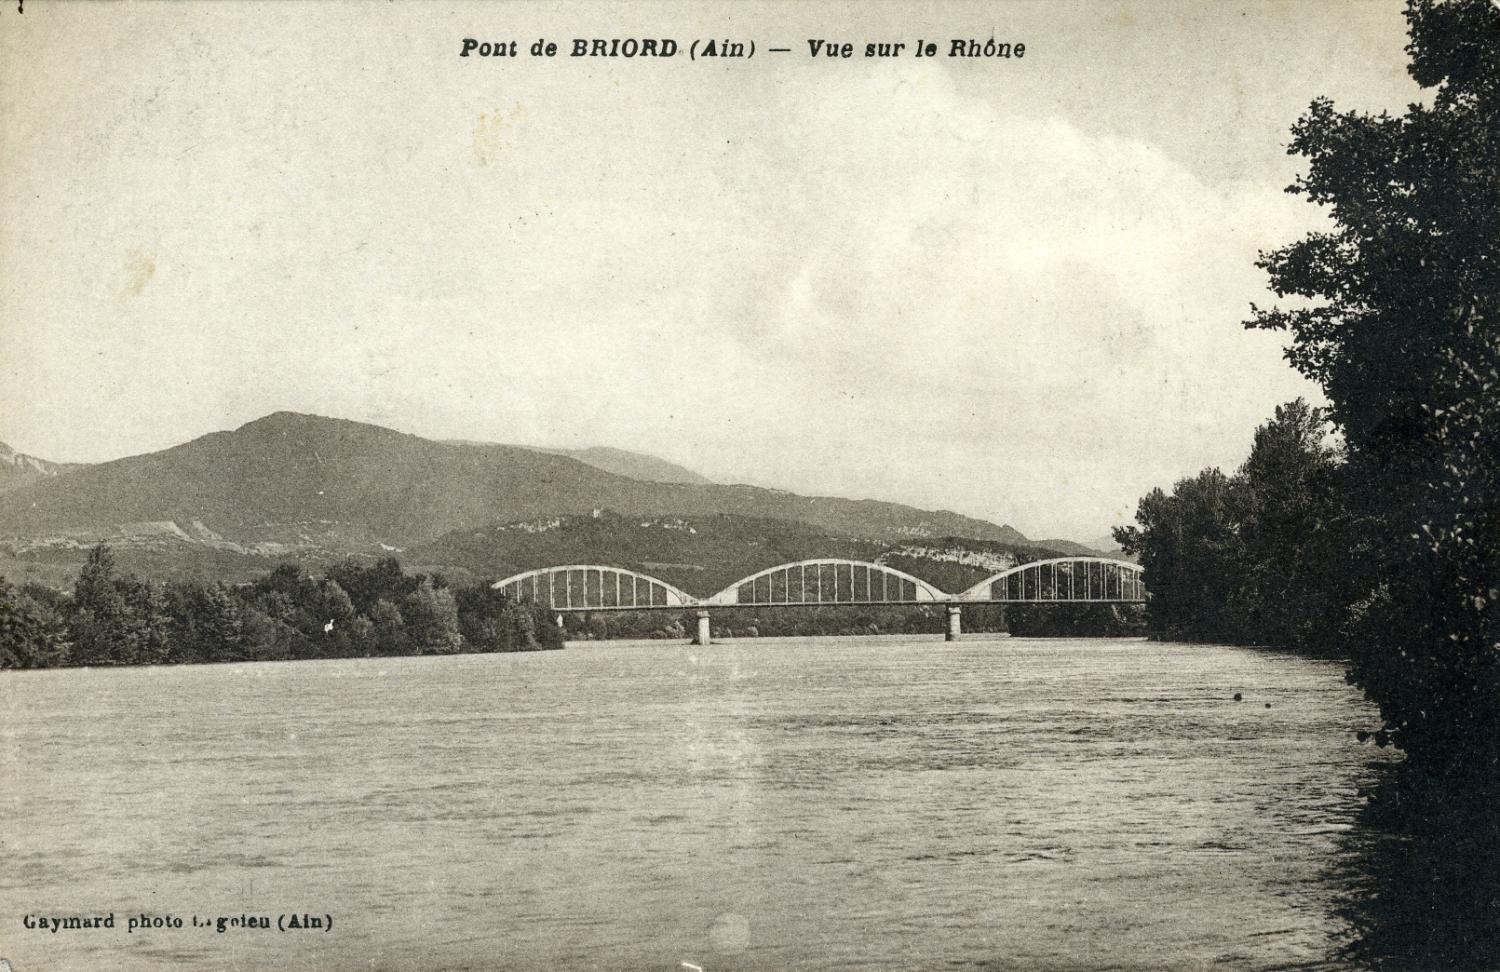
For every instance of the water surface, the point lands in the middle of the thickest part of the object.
(828, 803)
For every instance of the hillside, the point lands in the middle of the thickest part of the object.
(292, 484)
(18, 469)
(1072, 549)
(621, 462)
(702, 554)
(1110, 548)
(634, 465)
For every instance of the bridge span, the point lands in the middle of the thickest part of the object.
(573, 588)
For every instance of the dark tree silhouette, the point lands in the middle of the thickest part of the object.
(1398, 318)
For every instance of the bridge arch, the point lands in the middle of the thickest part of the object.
(828, 580)
(593, 587)
(1099, 580)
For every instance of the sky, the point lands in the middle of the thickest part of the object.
(1012, 288)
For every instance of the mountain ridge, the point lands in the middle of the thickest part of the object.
(635, 465)
(289, 483)
(622, 462)
(19, 469)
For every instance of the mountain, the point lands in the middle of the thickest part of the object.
(18, 469)
(621, 462)
(1071, 549)
(312, 486)
(1107, 544)
(634, 465)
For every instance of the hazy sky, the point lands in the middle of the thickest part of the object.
(1011, 288)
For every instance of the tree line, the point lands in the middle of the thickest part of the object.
(1386, 548)
(1027, 620)
(1254, 557)
(354, 610)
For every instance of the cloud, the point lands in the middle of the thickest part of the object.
(1048, 317)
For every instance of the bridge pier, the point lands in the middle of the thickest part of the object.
(701, 637)
(955, 623)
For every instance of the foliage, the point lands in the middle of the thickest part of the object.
(1040, 620)
(1397, 316)
(1247, 558)
(431, 617)
(1390, 550)
(116, 620)
(366, 585)
(31, 631)
(1070, 620)
(207, 624)
(1294, 536)
(284, 614)
(490, 620)
(1188, 544)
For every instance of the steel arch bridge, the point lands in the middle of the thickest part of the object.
(830, 581)
(592, 587)
(827, 581)
(1065, 580)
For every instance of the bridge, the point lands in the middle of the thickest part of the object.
(827, 582)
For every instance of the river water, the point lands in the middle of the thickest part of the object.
(827, 803)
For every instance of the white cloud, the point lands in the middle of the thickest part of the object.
(1049, 318)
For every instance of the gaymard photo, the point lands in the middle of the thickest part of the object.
(692, 487)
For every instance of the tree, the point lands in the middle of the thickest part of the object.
(1257, 557)
(1398, 319)
(264, 638)
(31, 631)
(481, 618)
(492, 621)
(366, 585)
(207, 624)
(150, 623)
(334, 621)
(1293, 534)
(432, 619)
(1190, 547)
(100, 622)
(388, 632)
(319, 613)
(284, 614)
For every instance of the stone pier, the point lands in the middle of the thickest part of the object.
(701, 637)
(955, 623)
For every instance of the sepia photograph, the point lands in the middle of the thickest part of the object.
(707, 486)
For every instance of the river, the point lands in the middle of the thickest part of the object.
(820, 803)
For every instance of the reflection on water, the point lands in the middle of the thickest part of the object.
(822, 803)
(1421, 874)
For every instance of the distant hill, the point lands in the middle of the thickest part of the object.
(621, 462)
(1072, 549)
(292, 484)
(635, 465)
(703, 554)
(18, 469)
(1111, 549)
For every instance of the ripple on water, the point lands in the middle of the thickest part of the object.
(815, 803)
